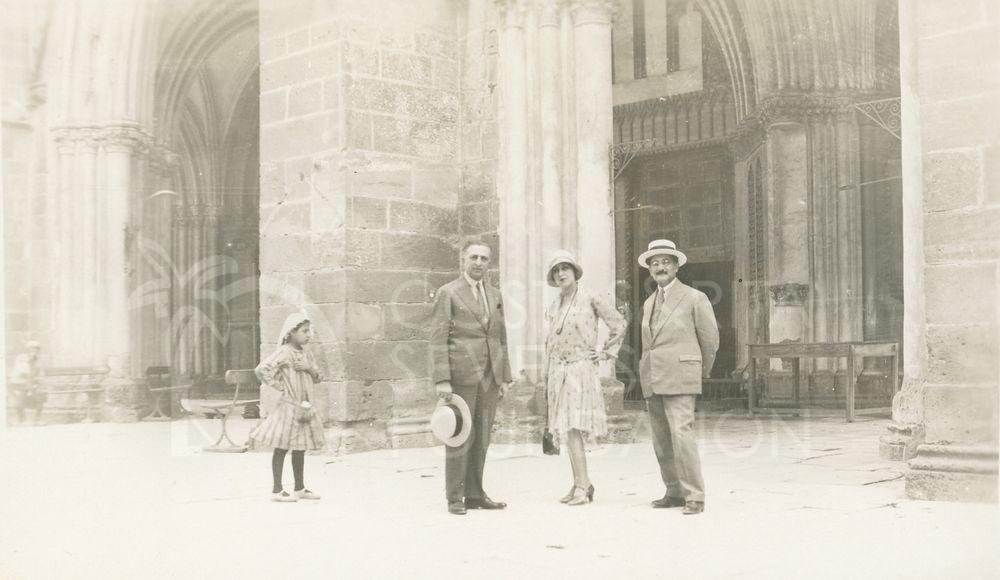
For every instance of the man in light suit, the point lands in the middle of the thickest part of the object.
(679, 340)
(468, 339)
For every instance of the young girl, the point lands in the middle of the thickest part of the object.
(293, 423)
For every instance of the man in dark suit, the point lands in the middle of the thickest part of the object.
(468, 340)
(679, 340)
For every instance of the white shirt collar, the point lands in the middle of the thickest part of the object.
(473, 283)
(667, 288)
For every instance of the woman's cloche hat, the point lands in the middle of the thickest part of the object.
(562, 257)
(657, 247)
(451, 422)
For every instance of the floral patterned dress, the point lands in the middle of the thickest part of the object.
(281, 429)
(575, 398)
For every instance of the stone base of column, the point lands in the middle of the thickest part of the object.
(900, 441)
(520, 415)
(623, 426)
(953, 473)
(411, 432)
(343, 437)
(125, 400)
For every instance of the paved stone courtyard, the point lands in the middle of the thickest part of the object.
(786, 499)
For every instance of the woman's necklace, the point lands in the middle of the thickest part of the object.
(565, 315)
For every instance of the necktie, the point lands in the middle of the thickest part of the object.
(658, 307)
(483, 305)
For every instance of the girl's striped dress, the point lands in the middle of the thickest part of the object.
(280, 429)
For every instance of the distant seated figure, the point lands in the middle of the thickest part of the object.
(24, 391)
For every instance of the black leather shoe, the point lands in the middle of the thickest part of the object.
(484, 503)
(667, 502)
(693, 507)
(456, 507)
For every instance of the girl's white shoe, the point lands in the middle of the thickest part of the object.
(306, 494)
(283, 496)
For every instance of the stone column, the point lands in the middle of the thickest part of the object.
(787, 313)
(551, 158)
(63, 348)
(568, 110)
(119, 146)
(512, 178)
(900, 440)
(178, 342)
(788, 217)
(594, 205)
(90, 346)
(960, 208)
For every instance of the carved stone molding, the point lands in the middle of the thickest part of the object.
(114, 136)
(790, 294)
(125, 138)
(801, 107)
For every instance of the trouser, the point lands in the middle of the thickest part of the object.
(463, 465)
(671, 419)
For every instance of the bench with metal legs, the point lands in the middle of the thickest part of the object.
(224, 444)
(159, 389)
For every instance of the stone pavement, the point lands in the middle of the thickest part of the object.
(786, 499)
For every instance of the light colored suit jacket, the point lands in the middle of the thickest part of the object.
(461, 342)
(681, 349)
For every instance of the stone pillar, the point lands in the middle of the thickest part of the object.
(512, 179)
(89, 281)
(551, 121)
(569, 151)
(960, 206)
(787, 315)
(119, 148)
(63, 350)
(900, 440)
(788, 216)
(594, 205)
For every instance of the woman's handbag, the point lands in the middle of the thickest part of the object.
(549, 446)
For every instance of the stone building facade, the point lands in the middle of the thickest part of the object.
(178, 176)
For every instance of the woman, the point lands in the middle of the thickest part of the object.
(575, 399)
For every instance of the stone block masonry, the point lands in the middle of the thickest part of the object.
(362, 181)
(954, 76)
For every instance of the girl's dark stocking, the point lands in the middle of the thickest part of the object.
(298, 465)
(277, 463)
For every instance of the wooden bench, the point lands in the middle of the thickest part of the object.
(70, 382)
(854, 352)
(244, 378)
(159, 388)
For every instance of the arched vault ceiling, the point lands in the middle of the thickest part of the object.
(776, 47)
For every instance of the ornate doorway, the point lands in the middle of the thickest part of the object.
(687, 197)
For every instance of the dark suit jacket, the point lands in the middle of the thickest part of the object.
(461, 343)
(680, 351)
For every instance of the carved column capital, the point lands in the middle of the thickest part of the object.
(124, 138)
(549, 12)
(594, 11)
(790, 294)
(512, 13)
